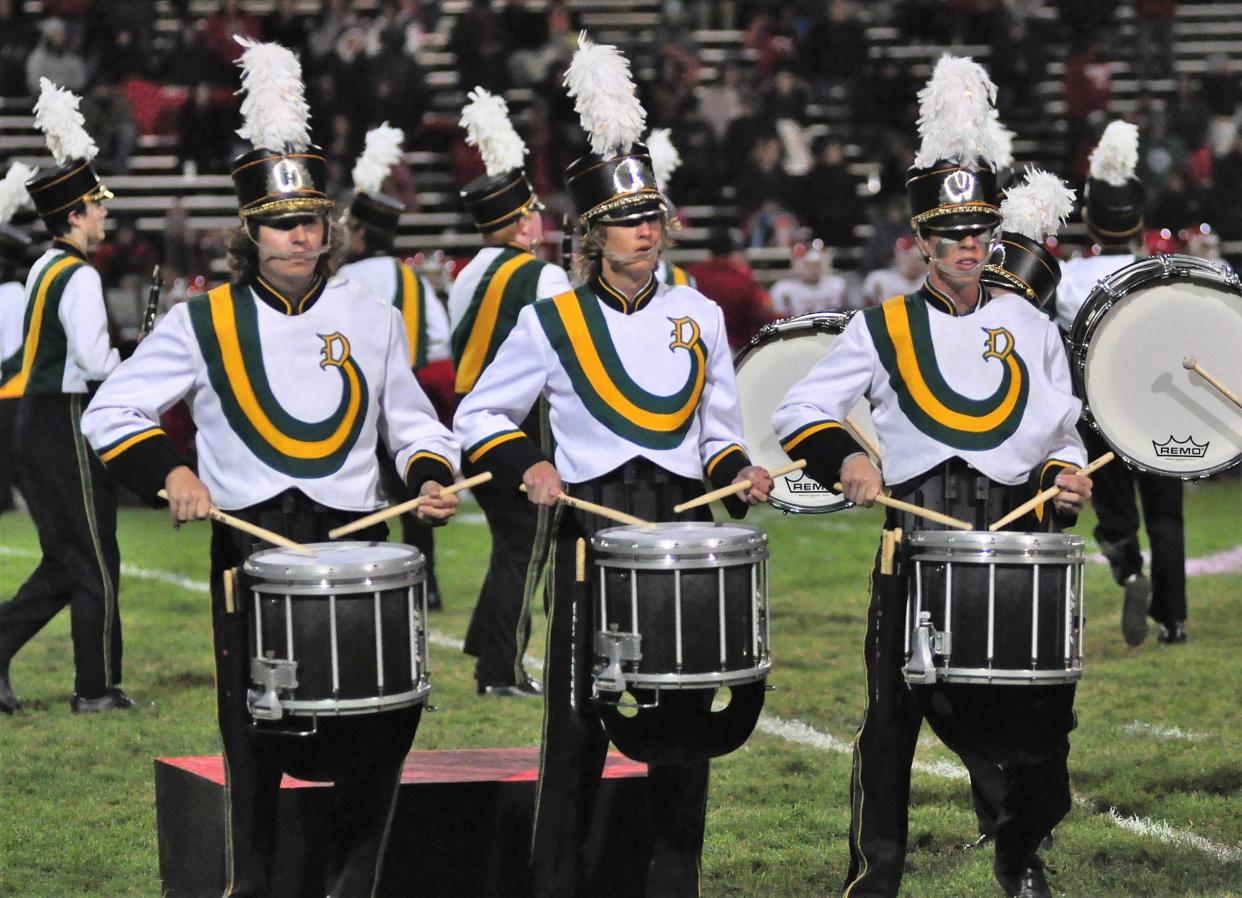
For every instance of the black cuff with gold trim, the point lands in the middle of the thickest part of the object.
(507, 459)
(721, 469)
(824, 445)
(424, 466)
(144, 465)
(1042, 480)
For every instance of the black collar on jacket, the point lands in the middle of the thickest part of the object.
(269, 295)
(614, 298)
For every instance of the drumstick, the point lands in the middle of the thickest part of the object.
(1190, 363)
(253, 529)
(862, 437)
(734, 487)
(602, 510)
(402, 507)
(1050, 493)
(918, 510)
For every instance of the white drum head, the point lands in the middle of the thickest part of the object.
(780, 356)
(1155, 413)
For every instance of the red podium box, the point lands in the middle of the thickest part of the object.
(461, 830)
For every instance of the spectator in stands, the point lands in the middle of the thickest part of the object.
(527, 30)
(398, 87)
(763, 189)
(110, 119)
(287, 26)
(1153, 39)
(126, 252)
(786, 96)
(729, 281)
(1220, 91)
(826, 198)
(924, 21)
(770, 36)
(889, 222)
(1086, 22)
(721, 103)
(885, 97)
(204, 133)
(813, 286)
(744, 131)
(16, 38)
(219, 28)
(671, 94)
(1188, 113)
(183, 252)
(480, 46)
(697, 180)
(121, 57)
(1088, 89)
(54, 59)
(190, 62)
(833, 52)
(1017, 75)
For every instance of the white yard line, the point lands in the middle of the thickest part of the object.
(1228, 561)
(1139, 728)
(800, 733)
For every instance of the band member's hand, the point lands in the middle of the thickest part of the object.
(1075, 491)
(862, 480)
(760, 484)
(543, 483)
(188, 497)
(437, 507)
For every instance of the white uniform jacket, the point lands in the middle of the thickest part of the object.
(1078, 279)
(649, 377)
(284, 395)
(426, 318)
(991, 387)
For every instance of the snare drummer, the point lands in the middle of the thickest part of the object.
(970, 399)
(291, 376)
(1114, 219)
(643, 407)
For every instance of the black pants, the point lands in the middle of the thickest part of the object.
(1018, 732)
(1116, 506)
(361, 754)
(73, 504)
(574, 740)
(8, 452)
(498, 629)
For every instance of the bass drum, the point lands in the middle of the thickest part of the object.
(1129, 342)
(779, 356)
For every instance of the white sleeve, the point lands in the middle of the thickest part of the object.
(508, 388)
(1067, 444)
(720, 414)
(407, 422)
(437, 324)
(85, 320)
(830, 389)
(553, 281)
(161, 371)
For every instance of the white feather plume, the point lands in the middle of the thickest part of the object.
(13, 192)
(1000, 141)
(274, 113)
(486, 120)
(1116, 155)
(1038, 206)
(605, 98)
(57, 116)
(381, 153)
(955, 112)
(664, 156)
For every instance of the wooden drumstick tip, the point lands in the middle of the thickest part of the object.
(1189, 362)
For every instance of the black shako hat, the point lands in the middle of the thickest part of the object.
(948, 197)
(1114, 214)
(495, 201)
(59, 188)
(1020, 264)
(270, 184)
(619, 190)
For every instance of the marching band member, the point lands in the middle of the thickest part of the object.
(502, 279)
(1114, 219)
(14, 242)
(642, 405)
(970, 399)
(292, 376)
(65, 352)
(373, 220)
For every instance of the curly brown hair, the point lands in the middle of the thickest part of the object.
(589, 256)
(244, 252)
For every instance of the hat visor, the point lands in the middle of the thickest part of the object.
(99, 194)
(633, 213)
(958, 222)
(288, 207)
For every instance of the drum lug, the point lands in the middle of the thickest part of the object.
(616, 647)
(1103, 286)
(925, 644)
(1230, 276)
(1166, 264)
(270, 674)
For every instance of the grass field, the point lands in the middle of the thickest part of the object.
(1156, 759)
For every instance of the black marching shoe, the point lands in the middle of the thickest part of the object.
(529, 687)
(1134, 609)
(112, 700)
(1031, 883)
(1172, 634)
(8, 701)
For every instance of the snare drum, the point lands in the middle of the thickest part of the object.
(681, 606)
(1128, 342)
(338, 632)
(994, 608)
(779, 356)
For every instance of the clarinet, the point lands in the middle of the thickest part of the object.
(153, 303)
